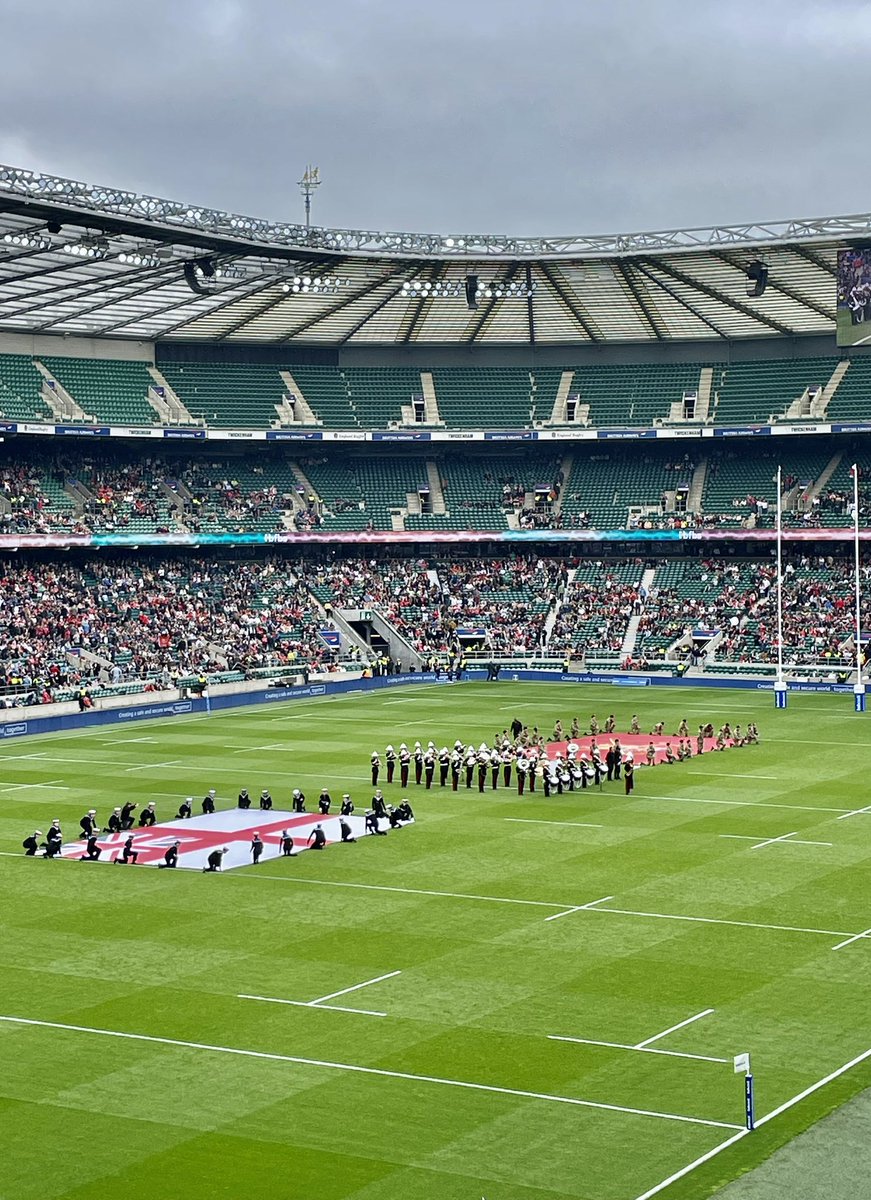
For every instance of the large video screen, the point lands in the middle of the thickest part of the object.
(854, 297)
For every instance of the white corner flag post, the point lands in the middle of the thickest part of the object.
(208, 700)
(858, 686)
(741, 1064)
(780, 689)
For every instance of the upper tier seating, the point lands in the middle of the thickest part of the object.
(20, 386)
(756, 391)
(111, 390)
(227, 394)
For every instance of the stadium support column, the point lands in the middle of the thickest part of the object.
(780, 689)
(858, 686)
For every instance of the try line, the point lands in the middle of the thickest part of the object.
(353, 1067)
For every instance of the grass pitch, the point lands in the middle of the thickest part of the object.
(460, 1090)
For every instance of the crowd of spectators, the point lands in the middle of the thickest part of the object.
(155, 622)
(103, 623)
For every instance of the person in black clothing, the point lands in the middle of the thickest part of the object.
(317, 839)
(372, 824)
(629, 775)
(516, 728)
(185, 809)
(376, 767)
(404, 760)
(345, 828)
(209, 802)
(113, 825)
(286, 843)
(444, 765)
(170, 859)
(127, 854)
(244, 799)
(418, 762)
(456, 768)
(429, 768)
(393, 817)
(298, 801)
(92, 850)
(324, 802)
(482, 773)
(405, 811)
(256, 848)
(265, 800)
(618, 758)
(53, 840)
(390, 757)
(610, 761)
(148, 816)
(495, 764)
(88, 824)
(215, 860)
(347, 805)
(379, 806)
(31, 845)
(127, 814)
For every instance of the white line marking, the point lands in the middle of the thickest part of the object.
(794, 841)
(333, 1066)
(672, 1028)
(578, 908)
(15, 854)
(734, 775)
(775, 1112)
(855, 938)
(539, 821)
(54, 786)
(745, 804)
(127, 741)
(356, 987)
(366, 1012)
(625, 912)
(629, 912)
(154, 766)
(556, 916)
(855, 813)
(380, 887)
(697, 1162)
(638, 1049)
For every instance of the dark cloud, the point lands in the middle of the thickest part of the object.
(565, 117)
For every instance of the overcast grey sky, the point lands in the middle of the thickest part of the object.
(480, 115)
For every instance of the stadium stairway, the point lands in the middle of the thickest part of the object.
(299, 411)
(167, 403)
(627, 647)
(64, 406)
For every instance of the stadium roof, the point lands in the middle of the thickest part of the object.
(98, 262)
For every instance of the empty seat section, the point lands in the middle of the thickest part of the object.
(633, 395)
(852, 400)
(111, 390)
(484, 397)
(755, 391)
(228, 394)
(377, 394)
(326, 392)
(20, 387)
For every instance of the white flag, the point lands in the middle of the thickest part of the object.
(742, 1064)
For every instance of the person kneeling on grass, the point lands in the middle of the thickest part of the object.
(92, 850)
(215, 860)
(317, 839)
(128, 854)
(30, 844)
(53, 840)
(170, 859)
(185, 809)
(287, 843)
(209, 802)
